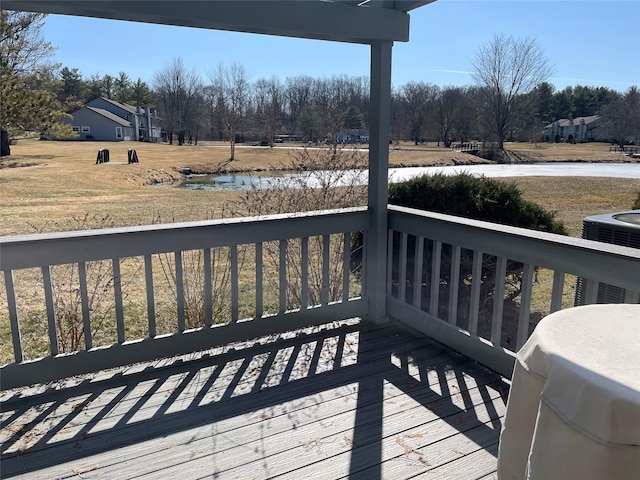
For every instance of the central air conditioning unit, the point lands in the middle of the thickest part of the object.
(618, 229)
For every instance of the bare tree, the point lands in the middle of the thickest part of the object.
(397, 117)
(197, 122)
(414, 97)
(298, 95)
(331, 100)
(178, 91)
(449, 114)
(214, 127)
(231, 86)
(621, 117)
(269, 101)
(466, 119)
(507, 67)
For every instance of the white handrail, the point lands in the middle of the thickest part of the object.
(78, 249)
(495, 247)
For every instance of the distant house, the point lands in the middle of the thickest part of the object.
(92, 123)
(353, 136)
(107, 120)
(580, 129)
(286, 138)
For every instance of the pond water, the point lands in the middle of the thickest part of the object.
(551, 169)
(222, 182)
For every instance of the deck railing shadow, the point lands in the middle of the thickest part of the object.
(444, 389)
(270, 387)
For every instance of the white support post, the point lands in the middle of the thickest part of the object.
(379, 124)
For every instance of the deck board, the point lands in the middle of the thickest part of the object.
(345, 401)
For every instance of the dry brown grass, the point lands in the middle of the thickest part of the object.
(567, 152)
(62, 180)
(573, 198)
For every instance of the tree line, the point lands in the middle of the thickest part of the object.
(227, 105)
(511, 98)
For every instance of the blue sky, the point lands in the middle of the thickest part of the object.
(589, 42)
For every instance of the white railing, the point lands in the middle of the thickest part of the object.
(104, 298)
(78, 302)
(435, 262)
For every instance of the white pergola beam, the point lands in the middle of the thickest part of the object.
(313, 19)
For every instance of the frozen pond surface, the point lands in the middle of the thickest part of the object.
(552, 169)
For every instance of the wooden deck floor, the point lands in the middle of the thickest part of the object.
(347, 401)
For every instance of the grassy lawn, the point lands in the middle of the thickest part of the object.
(573, 198)
(51, 182)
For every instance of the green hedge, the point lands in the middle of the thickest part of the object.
(479, 198)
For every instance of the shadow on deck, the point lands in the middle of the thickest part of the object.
(344, 400)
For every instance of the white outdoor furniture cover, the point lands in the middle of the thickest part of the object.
(574, 405)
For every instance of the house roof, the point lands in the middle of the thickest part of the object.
(567, 122)
(355, 21)
(111, 116)
(124, 106)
